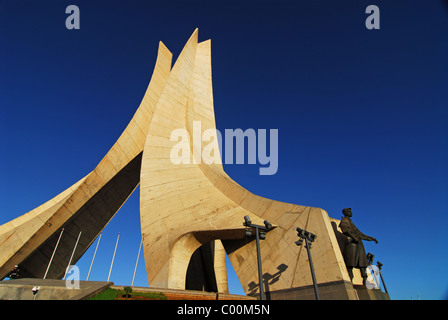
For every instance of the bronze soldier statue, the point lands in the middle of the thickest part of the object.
(354, 252)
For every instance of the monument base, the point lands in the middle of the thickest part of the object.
(337, 290)
(370, 294)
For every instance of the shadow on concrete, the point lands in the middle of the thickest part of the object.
(268, 279)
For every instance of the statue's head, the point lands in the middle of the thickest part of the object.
(347, 212)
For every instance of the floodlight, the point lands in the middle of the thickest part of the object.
(247, 221)
(309, 238)
(370, 257)
(259, 234)
(267, 224)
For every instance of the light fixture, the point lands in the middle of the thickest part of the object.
(260, 234)
(247, 221)
(267, 224)
(308, 237)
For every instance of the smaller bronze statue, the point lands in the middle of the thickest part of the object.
(354, 252)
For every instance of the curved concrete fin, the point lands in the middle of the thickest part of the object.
(176, 198)
(90, 205)
(16, 232)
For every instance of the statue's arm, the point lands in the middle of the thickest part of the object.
(350, 230)
(366, 237)
(372, 239)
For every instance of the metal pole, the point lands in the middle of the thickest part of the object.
(94, 254)
(260, 275)
(382, 280)
(113, 257)
(380, 265)
(136, 263)
(74, 249)
(54, 251)
(316, 291)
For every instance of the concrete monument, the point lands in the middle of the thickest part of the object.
(191, 213)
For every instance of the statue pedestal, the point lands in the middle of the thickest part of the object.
(370, 294)
(336, 290)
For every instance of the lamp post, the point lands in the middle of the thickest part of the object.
(309, 238)
(260, 233)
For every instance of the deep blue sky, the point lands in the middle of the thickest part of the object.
(362, 114)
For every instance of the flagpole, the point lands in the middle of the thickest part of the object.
(74, 249)
(54, 251)
(94, 254)
(113, 257)
(136, 263)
